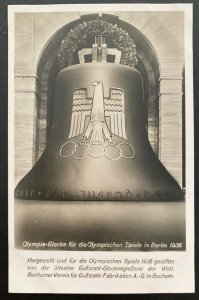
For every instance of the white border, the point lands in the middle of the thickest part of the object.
(185, 282)
(98, 7)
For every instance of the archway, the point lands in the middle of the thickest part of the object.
(47, 70)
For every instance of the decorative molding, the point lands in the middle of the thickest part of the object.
(26, 83)
(26, 91)
(169, 93)
(26, 75)
(169, 78)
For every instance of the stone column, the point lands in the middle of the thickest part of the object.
(25, 114)
(41, 125)
(170, 116)
(25, 93)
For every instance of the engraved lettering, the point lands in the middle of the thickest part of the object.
(128, 195)
(101, 195)
(47, 194)
(91, 195)
(83, 194)
(63, 194)
(31, 193)
(118, 195)
(109, 194)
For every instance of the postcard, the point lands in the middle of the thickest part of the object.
(101, 148)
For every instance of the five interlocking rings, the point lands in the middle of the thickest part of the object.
(104, 151)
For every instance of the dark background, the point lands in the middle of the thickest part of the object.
(4, 154)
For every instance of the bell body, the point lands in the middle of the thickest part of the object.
(98, 147)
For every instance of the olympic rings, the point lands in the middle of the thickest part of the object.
(103, 152)
(73, 151)
(83, 157)
(131, 148)
(96, 156)
(112, 158)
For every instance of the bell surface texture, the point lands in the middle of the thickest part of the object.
(98, 147)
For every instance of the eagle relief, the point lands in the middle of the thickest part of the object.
(99, 120)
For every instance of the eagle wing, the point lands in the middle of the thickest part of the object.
(81, 108)
(114, 108)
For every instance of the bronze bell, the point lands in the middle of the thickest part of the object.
(98, 147)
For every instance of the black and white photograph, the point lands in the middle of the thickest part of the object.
(100, 130)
